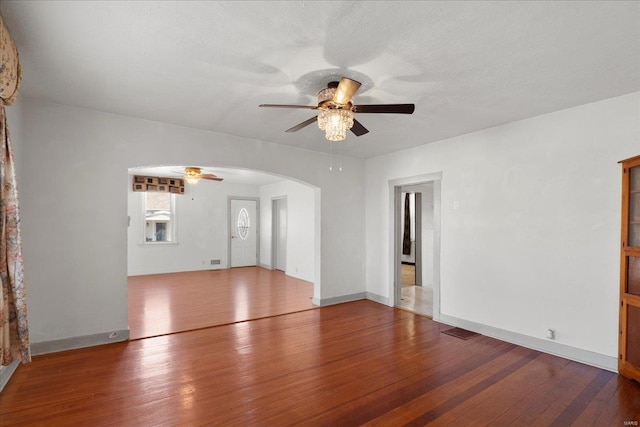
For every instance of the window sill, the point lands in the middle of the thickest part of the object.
(158, 244)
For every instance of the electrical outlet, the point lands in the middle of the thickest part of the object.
(113, 335)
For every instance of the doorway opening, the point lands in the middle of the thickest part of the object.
(179, 255)
(416, 242)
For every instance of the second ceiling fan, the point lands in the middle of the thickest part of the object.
(194, 174)
(336, 110)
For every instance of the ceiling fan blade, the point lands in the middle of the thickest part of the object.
(303, 124)
(385, 108)
(308, 107)
(358, 129)
(210, 177)
(345, 91)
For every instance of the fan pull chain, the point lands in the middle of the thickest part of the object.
(330, 156)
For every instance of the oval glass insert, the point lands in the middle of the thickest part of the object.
(243, 224)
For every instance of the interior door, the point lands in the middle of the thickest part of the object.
(243, 233)
(281, 238)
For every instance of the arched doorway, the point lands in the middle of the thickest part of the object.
(196, 258)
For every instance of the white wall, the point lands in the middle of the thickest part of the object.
(75, 169)
(202, 230)
(530, 221)
(300, 227)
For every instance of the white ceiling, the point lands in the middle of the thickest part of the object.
(466, 65)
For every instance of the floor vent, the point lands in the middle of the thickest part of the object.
(460, 333)
(215, 262)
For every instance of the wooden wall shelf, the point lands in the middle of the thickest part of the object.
(158, 184)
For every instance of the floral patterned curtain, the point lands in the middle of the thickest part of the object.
(14, 331)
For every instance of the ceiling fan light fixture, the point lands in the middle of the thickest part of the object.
(336, 108)
(326, 94)
(335, 123)
(192, 175)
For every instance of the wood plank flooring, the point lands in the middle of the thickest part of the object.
(408, 274)
(161, 304)
(418, 299)
(358, 363)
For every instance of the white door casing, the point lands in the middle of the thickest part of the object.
(395, 213)
(281, 241)
(243, 232)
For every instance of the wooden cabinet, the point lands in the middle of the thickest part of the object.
(629, 343)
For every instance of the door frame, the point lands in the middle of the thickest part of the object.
(395, 248)
(274, 227)
(229, 226)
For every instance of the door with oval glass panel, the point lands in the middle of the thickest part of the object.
(243, 232)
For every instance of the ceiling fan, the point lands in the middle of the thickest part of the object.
(336, 110)
(194, 174)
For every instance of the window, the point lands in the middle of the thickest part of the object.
(159, 217)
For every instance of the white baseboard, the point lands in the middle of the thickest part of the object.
(377, 298)
(266, 266)
(6, 372)
(598, 360)
(73, 343)
(337, 300)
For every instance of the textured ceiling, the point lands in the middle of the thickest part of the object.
(466, 65)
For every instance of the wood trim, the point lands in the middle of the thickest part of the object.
(622, 341)
(631, 299)
(627, 370)
(631, 251)
(632, 161)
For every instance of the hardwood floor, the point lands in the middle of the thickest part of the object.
(408, 274)
(358, 363)
(418, 299)
(160, 304)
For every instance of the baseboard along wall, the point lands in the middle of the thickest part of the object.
(590, 358)
(73, 343)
